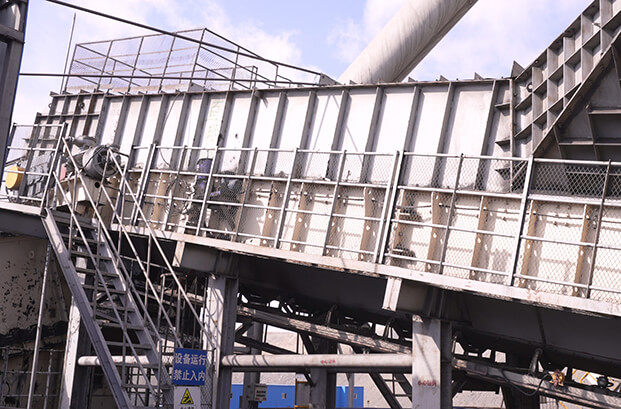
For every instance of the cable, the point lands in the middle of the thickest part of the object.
(163, 77)
(520, 390)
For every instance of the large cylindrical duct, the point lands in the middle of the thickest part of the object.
(405, 40)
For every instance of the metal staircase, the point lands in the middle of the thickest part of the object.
(109, 311)
(133, 323)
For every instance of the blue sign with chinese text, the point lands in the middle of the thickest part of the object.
(189, 367)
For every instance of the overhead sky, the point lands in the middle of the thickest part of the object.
(325, 35)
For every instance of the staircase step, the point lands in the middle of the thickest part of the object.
(101, 289)
(90, 271)
(144, 347)
(140, 386)
(85, 254)
(78, 239)
(109, 318)
(65, 219)
(107, 306)
(110, 324)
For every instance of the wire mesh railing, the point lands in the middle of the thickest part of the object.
(545, 225)
(185, 60)
(28, 162)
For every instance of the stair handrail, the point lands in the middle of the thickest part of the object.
(123, 180)
(100, 277)
(124, 183)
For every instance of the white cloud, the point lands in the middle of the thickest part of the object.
(351, 37)
(494, 34)
(487, 40)
(49, 26)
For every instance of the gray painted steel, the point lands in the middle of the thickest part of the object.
(12, 30)
(382, 192)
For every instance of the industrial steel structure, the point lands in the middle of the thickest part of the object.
(184, 192)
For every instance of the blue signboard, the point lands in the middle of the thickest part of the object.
(189, 367)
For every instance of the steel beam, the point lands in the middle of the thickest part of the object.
(592, 397)
(262, 346)
(322, 331)
(255, 333)
(21, 219)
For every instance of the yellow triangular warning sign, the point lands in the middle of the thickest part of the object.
(187, 398)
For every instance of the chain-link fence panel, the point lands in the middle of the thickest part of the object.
(569, 180)
(417, 230)
(319, 165)
(160, 62)
(492, 175)
(551, 247)
(30, 155)
(419, 171)
(461, 239)
(606, 280)
(308, 218)
(498, 225)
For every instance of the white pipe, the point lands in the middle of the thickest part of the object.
(117, 359)
(407, 38)
(341, 361)
(337, 361)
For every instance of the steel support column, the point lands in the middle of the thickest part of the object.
(252, 378)
(220, 315)
(431, 368)
(75, 381)
(323, 390)
(12, 28)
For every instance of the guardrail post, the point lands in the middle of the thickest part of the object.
(598, 230)
(390, 198)
(450, 214)
(285, 199)
(52, 169)
(201, 215)
(32, 148)
(522, 217)
(335, 198)
(144, 178)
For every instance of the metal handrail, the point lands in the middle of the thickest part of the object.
(395, 184)
(153, 236)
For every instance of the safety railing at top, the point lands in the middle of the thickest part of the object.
(546, 225)
(157, 62)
